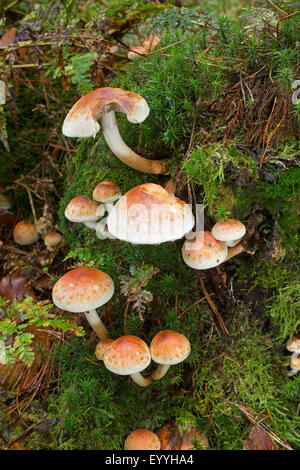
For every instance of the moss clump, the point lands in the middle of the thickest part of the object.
(214, 168)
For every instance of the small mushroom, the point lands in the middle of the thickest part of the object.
(82, 209)
(148, 214)
(231, 231)
(168, 348)
(171, 438)
(294, 364)
(52, 239)
(204, 251)
(142, 439)
(107, 192)
(102, 103)
(129, 355)
(82, 290)
(293, 344)
(25, 233)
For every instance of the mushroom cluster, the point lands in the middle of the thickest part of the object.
(81, 209)
(130, 355)
(209, 249)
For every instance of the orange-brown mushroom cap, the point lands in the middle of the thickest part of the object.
(172, 439)
(142, 439)
(81, 119)
(127, 355)
(82, 209)
(106, 191)
(204, 251)
(52, 239)
(293, 344)
(228, 230)
(169, 347)
(25, 233)
(149, 214)
(82, 289)
(295, 361)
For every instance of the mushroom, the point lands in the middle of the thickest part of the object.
(231, 231)
(81, 121)
(294, 363)
(168, 348)
(293, 344)
(82, 209)
(148, 214)
(52, 239)
(171, 438)
(5, 202)
(129, 355)
(25, 233)
(107, 192)
(82, 290)
(102, 347)
(142, 439)
(204, 251)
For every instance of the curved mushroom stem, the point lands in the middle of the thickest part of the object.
(160, 371)
(96, 323)
(171, 186)
(235, 250)
(91, 224)
(140, 380)
(123, 152)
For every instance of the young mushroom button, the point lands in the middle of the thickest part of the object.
(293, 344)
(82, 290)
(142, 439)
(168, 348)
(25, 233)
(82, 209)
(129, 355)
(102, 103)
(148, 214)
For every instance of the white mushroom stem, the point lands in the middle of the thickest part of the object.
(96, 323)
(292, 372)
(236, 250)
(91, 224)
(102, 231)
(108, 206)
(232, 243)
(140, 380)
(160, 372)
(123, 152)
